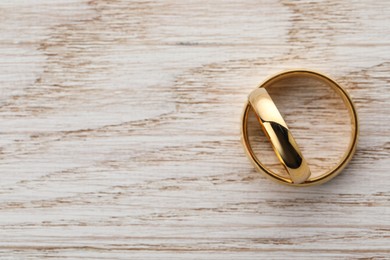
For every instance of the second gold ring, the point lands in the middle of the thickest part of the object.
(283, 143)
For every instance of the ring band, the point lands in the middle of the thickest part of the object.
(346, 157)
(275, 128)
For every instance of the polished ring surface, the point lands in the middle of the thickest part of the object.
(275, 128)
(281, 138)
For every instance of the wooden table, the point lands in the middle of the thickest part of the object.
(120, 129)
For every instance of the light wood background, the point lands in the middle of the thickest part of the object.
(120, 124)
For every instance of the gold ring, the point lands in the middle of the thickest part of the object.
(281, 138)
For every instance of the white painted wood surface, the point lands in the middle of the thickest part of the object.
(120, 122)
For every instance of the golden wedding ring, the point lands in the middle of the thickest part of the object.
(282, 141)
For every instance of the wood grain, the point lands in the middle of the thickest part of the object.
(120, 125)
